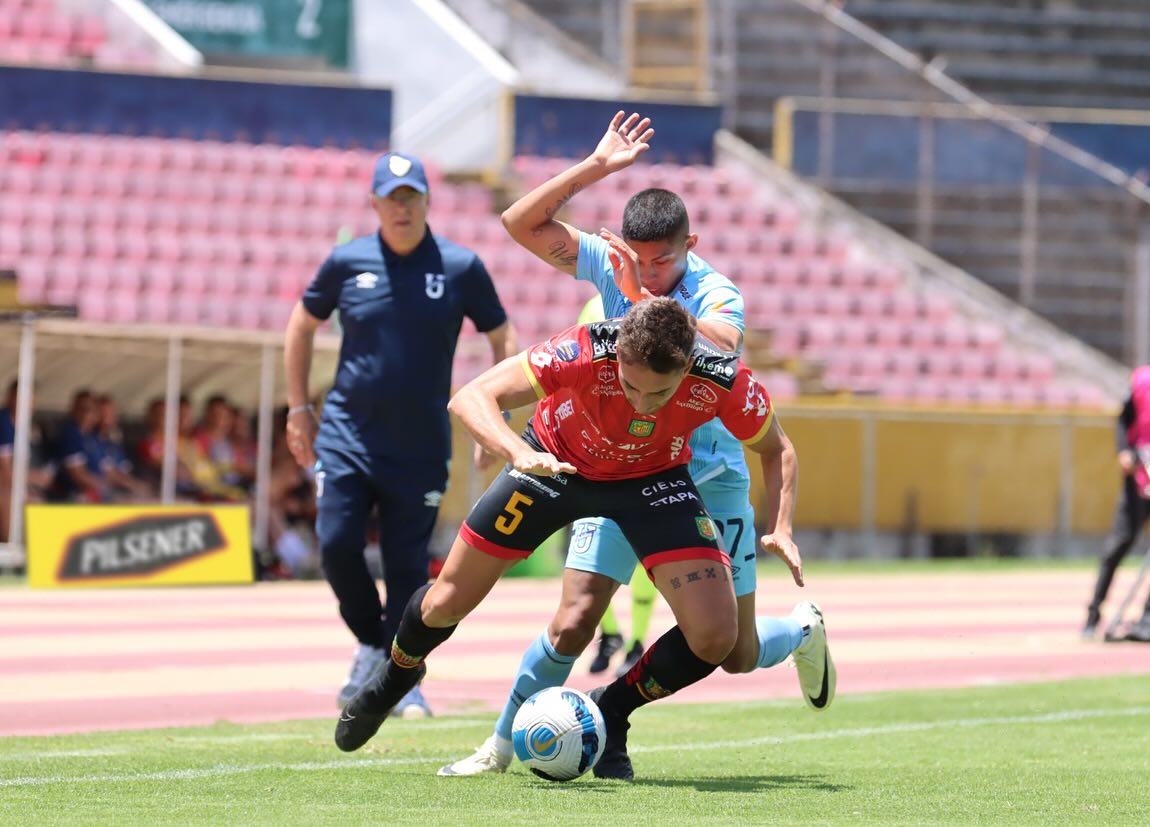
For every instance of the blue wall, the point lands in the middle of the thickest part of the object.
(571, 128)
(283, 113)
(877, 148)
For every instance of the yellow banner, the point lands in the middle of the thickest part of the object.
(137, 545)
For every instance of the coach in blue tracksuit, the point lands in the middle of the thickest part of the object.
(384, 438)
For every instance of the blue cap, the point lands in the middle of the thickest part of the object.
(395, 170)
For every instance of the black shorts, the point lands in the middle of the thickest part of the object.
(662, 515)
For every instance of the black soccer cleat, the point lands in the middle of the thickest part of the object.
(361, 718)
(634, 655)
(614, 762)
(608, 646)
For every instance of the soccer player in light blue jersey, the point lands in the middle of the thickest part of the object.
(654, 257)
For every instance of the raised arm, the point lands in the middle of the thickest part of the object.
(531, 220)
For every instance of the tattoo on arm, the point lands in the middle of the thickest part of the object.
(560, 253)
(571, 193)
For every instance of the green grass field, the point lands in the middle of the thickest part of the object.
(1061, 753)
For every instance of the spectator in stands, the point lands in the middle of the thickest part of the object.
(220, 466)
(40, 469)
(150, 451)
(243, 449)
(654, 258)
(384, 437)
(78, 475)
(611, 442)
(114, 465)
(1132, 440)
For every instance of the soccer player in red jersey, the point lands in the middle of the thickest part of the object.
(617, 402)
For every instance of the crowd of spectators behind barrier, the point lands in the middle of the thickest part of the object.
(91, 455)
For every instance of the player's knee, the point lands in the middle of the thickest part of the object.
(713, 640)
(572, 630)
(741, 659)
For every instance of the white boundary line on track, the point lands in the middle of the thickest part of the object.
(221, 770)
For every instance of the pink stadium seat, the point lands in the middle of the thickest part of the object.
(799, 303)
(904, 364)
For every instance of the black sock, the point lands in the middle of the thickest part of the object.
(665, 668)
(414, 640)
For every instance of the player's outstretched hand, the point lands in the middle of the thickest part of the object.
(625, 140)
(783, 547)
(541, 464)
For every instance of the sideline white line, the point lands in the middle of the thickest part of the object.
(67, 753)
(220, 770)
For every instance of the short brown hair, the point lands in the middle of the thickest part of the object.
(658, 334)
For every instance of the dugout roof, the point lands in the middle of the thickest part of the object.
(130, 362)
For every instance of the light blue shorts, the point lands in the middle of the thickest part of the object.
(597, 545)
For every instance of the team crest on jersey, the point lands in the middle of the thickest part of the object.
(434, 286)
(641, 428)
(567, 350)
(706, 528)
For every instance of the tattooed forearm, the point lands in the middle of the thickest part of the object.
(560, 254)
(571, 193)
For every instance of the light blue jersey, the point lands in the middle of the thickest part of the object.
(709, 296)
(718, 465)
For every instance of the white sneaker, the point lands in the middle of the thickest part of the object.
(493, 756)
(368, 660)
(413, 705)
(813, 658)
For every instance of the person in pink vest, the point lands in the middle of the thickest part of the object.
(1132, 435)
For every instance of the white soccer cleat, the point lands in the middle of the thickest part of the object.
(494, 756)
(812, 658)
(368, 660)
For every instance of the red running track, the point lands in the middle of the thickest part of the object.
(76, 661)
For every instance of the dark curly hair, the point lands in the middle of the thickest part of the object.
(658, 334)
(655, 215)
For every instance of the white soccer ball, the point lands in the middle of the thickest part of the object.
(558, 733)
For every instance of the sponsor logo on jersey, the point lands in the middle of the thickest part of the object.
(641, 428)
(704, 393)
(366, 281)
(718, 367)
(603, 336)
(567, 350)
(756, 400)
(564, 410)
(432, 499)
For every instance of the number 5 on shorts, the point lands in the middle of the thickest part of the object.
(507, 522)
